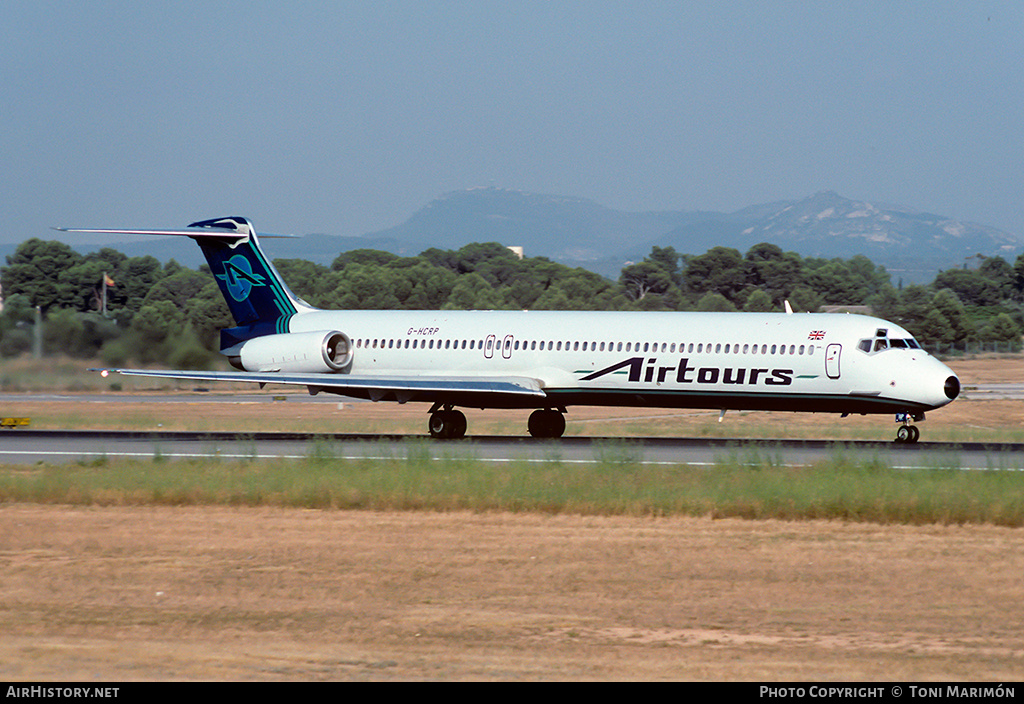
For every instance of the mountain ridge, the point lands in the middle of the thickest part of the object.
(910, 244)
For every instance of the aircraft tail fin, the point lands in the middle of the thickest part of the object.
(259, 300)
(254, 291)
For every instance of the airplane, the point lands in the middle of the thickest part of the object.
(549, 361)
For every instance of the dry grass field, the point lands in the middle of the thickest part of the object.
(219, 593)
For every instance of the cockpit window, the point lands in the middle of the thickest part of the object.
(881, 343)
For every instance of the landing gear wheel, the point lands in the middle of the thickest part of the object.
(908, 434)
(447, 425)
(546, 423)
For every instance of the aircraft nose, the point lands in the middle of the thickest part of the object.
(952, 388)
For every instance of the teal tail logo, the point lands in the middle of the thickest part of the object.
(239, 279)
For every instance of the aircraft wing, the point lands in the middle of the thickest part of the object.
(375, 388)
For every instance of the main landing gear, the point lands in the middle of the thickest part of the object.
(546, 423)
(908, 433)
(447, 424)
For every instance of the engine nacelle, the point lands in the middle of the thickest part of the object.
(309, 352)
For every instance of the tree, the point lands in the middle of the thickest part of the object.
(759, 302)
(847, 282)
(720, 270)
(133, 281)
(366, 287)
(309, 281)
(934, 329)
(949, 306)
(646, 277)
(1017, 283)
(179, 288)
(472, 292)
(35, 269)
(429, 287)
(715, 303)
(770, 269)
(970, 286)
(363, 256)
(151, 327)
(1003, 329)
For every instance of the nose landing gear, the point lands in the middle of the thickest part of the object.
(908, 433)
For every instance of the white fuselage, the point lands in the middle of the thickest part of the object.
(809, 362)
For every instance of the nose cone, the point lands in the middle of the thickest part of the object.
(952, 388)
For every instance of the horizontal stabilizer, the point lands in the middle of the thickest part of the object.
(183, 232)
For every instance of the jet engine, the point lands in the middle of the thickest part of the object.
(304, 352)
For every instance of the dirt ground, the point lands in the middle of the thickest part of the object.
(165, 593)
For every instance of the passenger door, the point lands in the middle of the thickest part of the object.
(832, 353)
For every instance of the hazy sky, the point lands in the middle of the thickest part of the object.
(346, 117)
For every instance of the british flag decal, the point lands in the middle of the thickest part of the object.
(816, 335)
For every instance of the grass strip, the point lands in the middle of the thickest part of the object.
(751, 485)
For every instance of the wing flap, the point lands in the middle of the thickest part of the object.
(372, 387)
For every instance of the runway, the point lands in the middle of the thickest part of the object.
(27, 446)
(1014, 391)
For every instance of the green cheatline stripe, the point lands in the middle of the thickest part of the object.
(274, 283)
(281, 299)
(807, 376)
